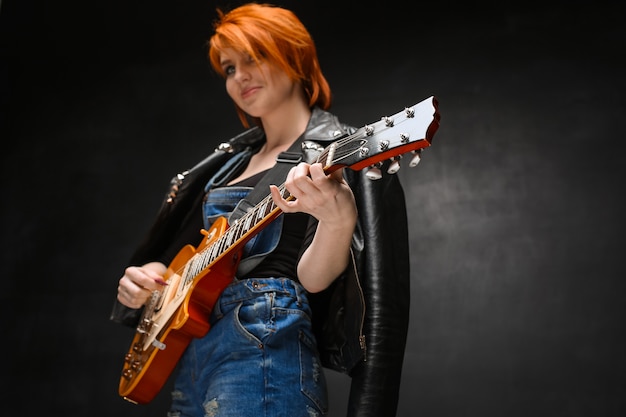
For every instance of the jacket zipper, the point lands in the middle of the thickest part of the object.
(362, 342)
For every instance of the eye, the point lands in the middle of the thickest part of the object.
(229, 70)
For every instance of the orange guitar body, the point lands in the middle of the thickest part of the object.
(147, 366)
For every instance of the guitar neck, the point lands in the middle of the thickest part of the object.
(406, 131)
(237, 234)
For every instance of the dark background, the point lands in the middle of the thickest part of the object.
(516, 210)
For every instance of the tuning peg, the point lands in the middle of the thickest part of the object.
(373, 172)
(388, 121)
(416, 157)
(395, 165)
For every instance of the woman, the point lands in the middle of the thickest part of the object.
(297, 289)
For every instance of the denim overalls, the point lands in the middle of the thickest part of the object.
(260, 357)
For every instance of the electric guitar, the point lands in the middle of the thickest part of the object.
(197, 276)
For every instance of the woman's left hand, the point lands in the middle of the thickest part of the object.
(327, 197)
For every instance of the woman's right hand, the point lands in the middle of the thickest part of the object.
(138, 283)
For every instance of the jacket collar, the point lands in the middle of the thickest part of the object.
(323, 127)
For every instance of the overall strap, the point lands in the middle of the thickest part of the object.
(229, 170)
(276, 175)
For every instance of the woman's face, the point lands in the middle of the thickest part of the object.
(257, 88)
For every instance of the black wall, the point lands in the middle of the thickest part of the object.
(516, 210)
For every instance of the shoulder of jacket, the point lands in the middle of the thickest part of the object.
(325, 127)
(250, 137)
(221, 154)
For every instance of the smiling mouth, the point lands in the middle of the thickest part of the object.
(248, 92)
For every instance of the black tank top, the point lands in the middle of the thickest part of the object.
(283, 260)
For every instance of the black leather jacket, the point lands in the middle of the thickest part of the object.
(361, 321)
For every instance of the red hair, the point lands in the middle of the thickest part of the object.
(268, 32)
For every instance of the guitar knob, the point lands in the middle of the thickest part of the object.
(394, 166)
(416, 158)
(135, 366)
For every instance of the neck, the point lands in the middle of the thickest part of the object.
(286, 124)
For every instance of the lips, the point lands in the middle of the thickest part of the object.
(247, 92)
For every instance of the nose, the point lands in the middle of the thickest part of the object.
(241, 74)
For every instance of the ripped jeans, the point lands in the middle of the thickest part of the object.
(259, 359)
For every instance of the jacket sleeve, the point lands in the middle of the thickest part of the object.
(384, 275)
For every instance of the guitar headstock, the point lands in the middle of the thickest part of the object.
(408, 131)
